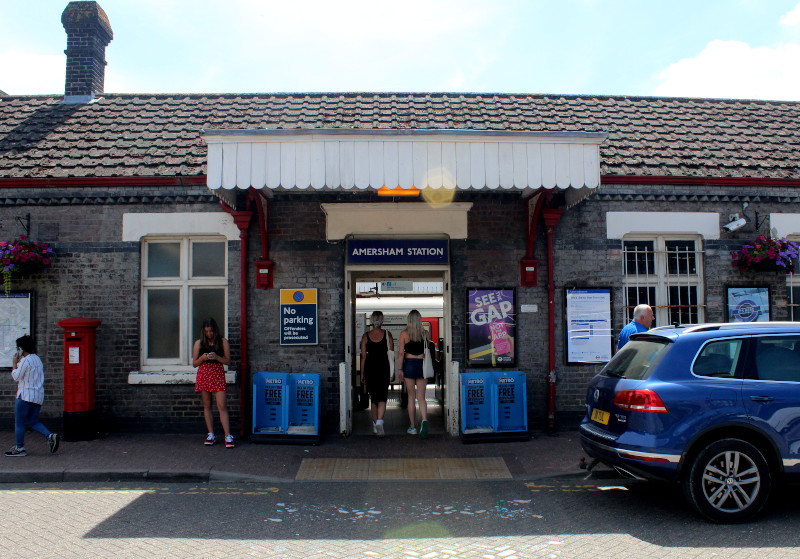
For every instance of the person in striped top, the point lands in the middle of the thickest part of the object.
(27, 370)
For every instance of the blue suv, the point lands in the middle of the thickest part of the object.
(715, 407)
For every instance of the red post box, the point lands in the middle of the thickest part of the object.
(80, 421)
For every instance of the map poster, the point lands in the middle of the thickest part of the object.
(16, 314)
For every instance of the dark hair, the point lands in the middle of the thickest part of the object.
(26, 344)
(216, 341)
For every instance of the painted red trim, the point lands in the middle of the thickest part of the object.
(551, 217)
(709, 181)
(242, 220)
(105, 182)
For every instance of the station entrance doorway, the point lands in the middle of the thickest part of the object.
(395, 291)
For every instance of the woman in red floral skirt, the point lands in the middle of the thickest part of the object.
(210, 353)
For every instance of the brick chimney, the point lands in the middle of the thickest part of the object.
(88, 34)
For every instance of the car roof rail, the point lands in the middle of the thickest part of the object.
(739, 325)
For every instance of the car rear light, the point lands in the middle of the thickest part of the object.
(640, 400)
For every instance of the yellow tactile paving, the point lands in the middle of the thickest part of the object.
(491, 468)
(318, 468)
(340, 469)
(385, 468)
(455, 468)
(350, 468)
(420, 468)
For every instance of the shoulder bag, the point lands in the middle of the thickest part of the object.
(427, 362)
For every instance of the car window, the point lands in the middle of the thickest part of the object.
(778, 358)
(637, 359)
(718, 358)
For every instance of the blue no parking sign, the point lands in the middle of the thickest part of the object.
(299, 317)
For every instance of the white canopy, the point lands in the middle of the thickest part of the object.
(339, 159)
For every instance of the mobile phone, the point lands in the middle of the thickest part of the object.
(499, 333)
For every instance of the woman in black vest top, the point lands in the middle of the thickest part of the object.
(413, 341)
(375, 345)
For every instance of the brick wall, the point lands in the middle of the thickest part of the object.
(96, 275)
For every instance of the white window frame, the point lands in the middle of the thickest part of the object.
(660, 279)
(185, 283)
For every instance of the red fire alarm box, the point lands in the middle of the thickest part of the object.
(79, 378)
(528, 268)
(264, 273)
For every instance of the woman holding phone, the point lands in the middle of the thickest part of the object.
(210, 353)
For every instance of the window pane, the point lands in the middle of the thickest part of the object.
(208, 259)
(681, 257)
(163, 323)
(683, 304)
(207, 303)
(778, 358)
(794, 303)
(163, 260)
(638, 295)
(718, 359)
(639, 257)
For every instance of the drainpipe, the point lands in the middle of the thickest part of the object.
(551, 217)
(242, 220)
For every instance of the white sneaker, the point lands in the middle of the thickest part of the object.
(210, 439)
(412, 431)
(229, 441)
(379, 429)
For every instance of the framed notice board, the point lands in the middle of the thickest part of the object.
(16, 320)
(588, 326)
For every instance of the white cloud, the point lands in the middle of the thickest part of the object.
(791, 18)
(25, 73)
(734, 69)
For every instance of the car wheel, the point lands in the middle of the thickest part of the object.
(728, 481)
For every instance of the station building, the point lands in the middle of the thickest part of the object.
(551, 214)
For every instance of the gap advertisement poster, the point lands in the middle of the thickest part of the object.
(491, 327)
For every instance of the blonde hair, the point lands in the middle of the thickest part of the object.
(414, 327)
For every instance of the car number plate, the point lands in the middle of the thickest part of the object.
(600, 416)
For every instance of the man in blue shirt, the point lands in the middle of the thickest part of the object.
(642, 320)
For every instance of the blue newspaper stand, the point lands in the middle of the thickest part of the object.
(494, 407)
(476, 404)
(286, 408)
(304, 407)
(512, 402)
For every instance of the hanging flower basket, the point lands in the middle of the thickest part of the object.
(22, 258)
(766, 254)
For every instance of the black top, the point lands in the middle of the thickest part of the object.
(414, 348)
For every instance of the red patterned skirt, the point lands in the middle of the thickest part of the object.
(210, 378)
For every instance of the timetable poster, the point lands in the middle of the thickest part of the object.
(588, 325)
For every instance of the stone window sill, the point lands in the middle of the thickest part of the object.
(171, 377)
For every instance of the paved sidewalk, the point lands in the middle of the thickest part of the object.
(130, 457)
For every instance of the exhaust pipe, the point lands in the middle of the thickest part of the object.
(625, 473)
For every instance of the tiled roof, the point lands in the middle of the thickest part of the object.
(159, 135)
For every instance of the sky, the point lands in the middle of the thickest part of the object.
(747, 49)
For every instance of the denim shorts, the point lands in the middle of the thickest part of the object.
(412, 368)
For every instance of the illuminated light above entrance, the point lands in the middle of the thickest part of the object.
(398, 191)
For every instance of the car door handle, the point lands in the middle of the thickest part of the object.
(762, 398)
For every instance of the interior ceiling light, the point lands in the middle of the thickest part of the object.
(398, 191)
